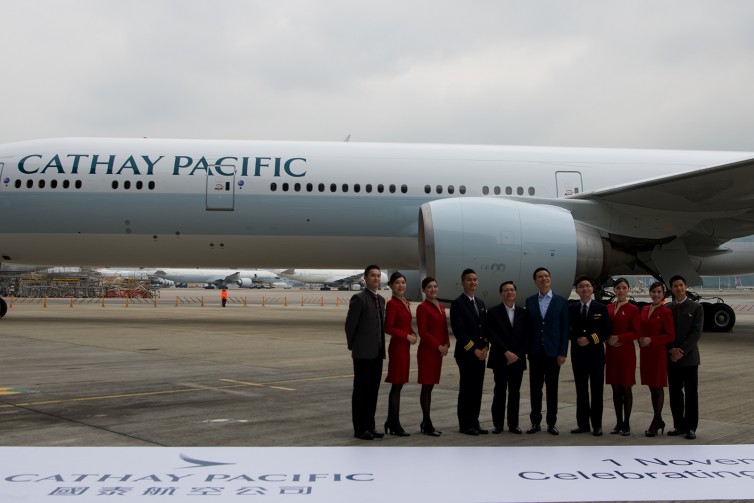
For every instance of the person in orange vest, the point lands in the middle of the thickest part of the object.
(224, 296)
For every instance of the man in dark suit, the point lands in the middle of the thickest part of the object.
(466, 319)
(683, 360)
(507, 329)
(548, 347)
(590, 326)
(365, 333)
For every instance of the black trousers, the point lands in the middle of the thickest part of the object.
(367, 375)
(589, 375)
(470, 387)
(507, 386)
(683, 386)
(543, 371)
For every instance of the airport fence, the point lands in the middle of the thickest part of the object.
(188, 301)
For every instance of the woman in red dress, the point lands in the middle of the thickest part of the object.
(620, 355)
(402, 336)
(657, 330)
(433, 346)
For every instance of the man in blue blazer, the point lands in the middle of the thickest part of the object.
(548, 347)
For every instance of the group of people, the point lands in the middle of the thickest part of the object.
(602, 339)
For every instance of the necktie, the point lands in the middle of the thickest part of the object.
(476, 309)
(583, 311)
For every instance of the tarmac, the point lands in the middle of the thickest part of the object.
(183, 371)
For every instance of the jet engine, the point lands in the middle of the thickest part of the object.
(245, 283)
(503, 239)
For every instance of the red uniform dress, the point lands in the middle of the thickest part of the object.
(433, 332)
(620, 362)
(398, 327)
(654, 358)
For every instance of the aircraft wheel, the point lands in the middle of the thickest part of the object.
(719, 317)
(3, 308)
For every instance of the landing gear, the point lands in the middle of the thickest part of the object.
(718, 316)
(3, 308)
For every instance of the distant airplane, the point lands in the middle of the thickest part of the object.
(220, 278)
(429, 209)
(335, 278)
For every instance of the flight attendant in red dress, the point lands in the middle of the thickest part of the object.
(657, 330)
(433, 347)
(402, 336)
(620, 355)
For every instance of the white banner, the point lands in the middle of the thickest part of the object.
(377, 474)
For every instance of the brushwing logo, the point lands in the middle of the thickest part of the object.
(200, 463)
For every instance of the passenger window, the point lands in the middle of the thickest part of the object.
(321, 187)
(139, 185)
(438, 189)
(427, 189)
(356, 187)
(115, 184)
(404, 189)
(451, 189)
(273, 186)
(285, 187)
(151, 185)
(509, 190)
(485, 190)
(520, 191)
(369, 188)
(392, 188)
(380, 188)
(462, 189)
(333, 187)
(531, 191)
(497, 190)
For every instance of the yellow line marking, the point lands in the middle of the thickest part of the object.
(257, 384)
(237, 384)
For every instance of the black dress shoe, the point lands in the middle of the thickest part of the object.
(376, 434)
(616, 430)
(691, 435)
(515, 430)
(496, 430)
(482, 431)
(552, 430)
(534, 428)
(364, 435)
(675, 432)
(597, 432)
(469, 431)
(580, 430)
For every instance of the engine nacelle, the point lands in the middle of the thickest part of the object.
(505, 240)
(245, 283)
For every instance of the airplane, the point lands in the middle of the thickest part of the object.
(338, 278)
(219, 278)
(426, 209)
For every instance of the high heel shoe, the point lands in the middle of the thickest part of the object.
(625, 430)
(396, 429)
(652, 431)
(428, 429)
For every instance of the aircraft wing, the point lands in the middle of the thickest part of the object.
(723, 188)
(232, 278)
(704, 207)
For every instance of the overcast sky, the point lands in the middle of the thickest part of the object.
(656, 74)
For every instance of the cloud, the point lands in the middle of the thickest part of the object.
(642, 74)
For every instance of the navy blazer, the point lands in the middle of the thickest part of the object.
(467, 326)
(552, 331)
(503, 336)
(596, 327)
